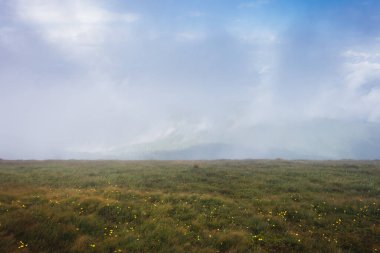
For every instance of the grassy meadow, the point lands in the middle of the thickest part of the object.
(189, 206)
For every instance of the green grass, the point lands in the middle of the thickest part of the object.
(189, 206)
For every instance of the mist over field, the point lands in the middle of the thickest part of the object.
(83, 79)
(189, 126)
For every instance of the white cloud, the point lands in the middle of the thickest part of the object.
(254, 34)
(73, 25)
(257, 86)
(361, 68)
(69, 13)
(362, 73)
(360, 55)
(357, 93)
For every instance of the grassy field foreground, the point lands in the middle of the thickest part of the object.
(189, 206)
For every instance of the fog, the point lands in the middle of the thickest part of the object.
(189, 80)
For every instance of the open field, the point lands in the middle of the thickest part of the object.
(189, 206)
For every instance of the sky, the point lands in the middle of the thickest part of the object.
(195, 79)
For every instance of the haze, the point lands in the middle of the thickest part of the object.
(189, 79)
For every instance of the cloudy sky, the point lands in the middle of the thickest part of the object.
(197, 79)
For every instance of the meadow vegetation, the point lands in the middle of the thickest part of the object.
(190, 206)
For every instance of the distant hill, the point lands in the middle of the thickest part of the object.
(226, 151)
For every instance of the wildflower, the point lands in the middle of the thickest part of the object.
(22, 245)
